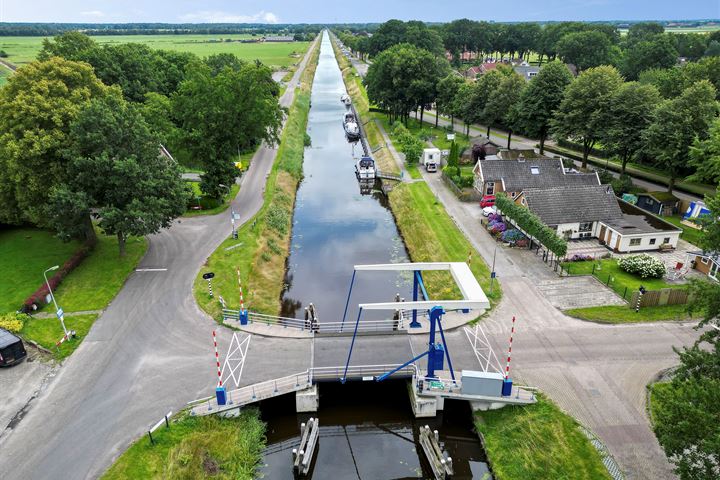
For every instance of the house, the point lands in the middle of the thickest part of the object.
(526, 71)
(473, 72)
(573, 211)
(593, 211)
(494, 175)
(705, 262)
(659, 203)
(638, 230)
(480, 148)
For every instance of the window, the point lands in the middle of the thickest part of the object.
(522, 200)
(634, 242)
(532, 74)
(666, 240)
(535, 170)
(705, 260)
(489, 188)
(652, 241)
(585, 227)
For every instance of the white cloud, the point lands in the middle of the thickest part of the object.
(93, 14)
(209, 16)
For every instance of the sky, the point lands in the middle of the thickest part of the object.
(335, 11)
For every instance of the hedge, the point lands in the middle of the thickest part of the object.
(531, 225)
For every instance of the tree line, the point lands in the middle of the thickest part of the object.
(663, 118)
(81, 131)
(51, 29)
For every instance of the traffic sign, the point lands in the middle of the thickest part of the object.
(208, 276)
(60, 313)
(492, 274)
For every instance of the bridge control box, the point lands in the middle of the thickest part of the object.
(488, 384)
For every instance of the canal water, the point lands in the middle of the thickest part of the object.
(368, 432)
(367, 429)
(334, 226)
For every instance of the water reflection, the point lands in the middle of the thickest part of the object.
(336, 225)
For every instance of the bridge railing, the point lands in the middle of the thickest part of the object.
(270, 388)
(319, 327)
(336, 373)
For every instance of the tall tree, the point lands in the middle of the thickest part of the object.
(655, 52)
(447, 90)
(705, 156)
(541, 99)
(675, 125)
(37, 106)
(502, 103)
(219, 61)
(585, 109)
(117, 170)
(481, 92)
(69, 45)
(223, 114)
(631, 111)
(586, 49)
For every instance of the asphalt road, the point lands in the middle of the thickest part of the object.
(149, 353)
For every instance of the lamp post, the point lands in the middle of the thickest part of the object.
(58, 311)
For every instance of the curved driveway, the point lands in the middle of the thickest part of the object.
(149, 353)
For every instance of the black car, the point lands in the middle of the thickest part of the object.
(12, 350)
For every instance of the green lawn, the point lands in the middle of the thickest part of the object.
(22, 50)
(689, 234)
(47, 331)
(431, 236)
(624, 314)
(619, 279)
(196, 448)
(24, 254)
(538, 441)
(97, 280)
(439, 135)
(414, 171)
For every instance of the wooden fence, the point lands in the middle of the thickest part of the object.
(664, 296)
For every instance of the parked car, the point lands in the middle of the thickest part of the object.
(12, 350)
(487, 201)
(487, 211)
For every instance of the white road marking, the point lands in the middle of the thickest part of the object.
(151, 269)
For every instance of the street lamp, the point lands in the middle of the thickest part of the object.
(58, 310)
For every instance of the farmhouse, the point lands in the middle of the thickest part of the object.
(593, 211)
(514, 176)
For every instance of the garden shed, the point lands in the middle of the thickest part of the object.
(659, 203)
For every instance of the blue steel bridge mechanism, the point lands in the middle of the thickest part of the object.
(473, 299)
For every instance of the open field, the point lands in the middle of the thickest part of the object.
(196, 447)
(22, 50)
(537, 441)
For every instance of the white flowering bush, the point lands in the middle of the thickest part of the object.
(644, 265)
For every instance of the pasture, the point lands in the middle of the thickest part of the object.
(22, 50)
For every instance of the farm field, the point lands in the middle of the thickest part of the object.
(22, 50)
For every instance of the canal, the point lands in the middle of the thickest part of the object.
(367, 429)
(334, 226)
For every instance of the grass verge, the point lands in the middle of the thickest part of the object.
(538, 441)
(356, 90)
(431, 236)
(625, 314)
(195, 448)
(210, 206)
(262, 247)
(96, 281)
(47, 331)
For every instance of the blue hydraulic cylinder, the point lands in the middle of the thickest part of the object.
(243, 315)
(439, 357)
(507, 387)
(221, 396)
(433, 352)
(416, 285)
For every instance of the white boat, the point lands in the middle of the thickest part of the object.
(352, 129)
(345, 99)
(365, 169)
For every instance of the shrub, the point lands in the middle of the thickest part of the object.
(644, 265)
(580, 258)
(38, 297)
(278, 219)
(512, 235)
(531, 224)
(307, 141)
(13, 322)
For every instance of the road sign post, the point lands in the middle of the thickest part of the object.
(209, 276)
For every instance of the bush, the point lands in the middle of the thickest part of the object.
(621, 185)
(34, 301)
(531, 224)
(13, 322)
(512, 235)
(307, 141)
(644, 265)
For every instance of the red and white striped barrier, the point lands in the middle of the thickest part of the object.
(242, 301)
(507, 365)
(217, 359)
